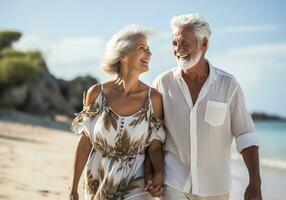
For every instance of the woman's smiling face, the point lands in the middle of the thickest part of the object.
(139, 55)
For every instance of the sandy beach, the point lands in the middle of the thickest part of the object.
(36, 162)
(35, 158)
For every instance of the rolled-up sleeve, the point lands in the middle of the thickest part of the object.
(242, 126)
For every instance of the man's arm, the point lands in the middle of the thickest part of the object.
(243, 131)
(251, 160)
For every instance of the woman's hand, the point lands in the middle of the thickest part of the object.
(73, 195)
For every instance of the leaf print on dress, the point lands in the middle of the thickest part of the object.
(109, 190)
(127, 149)
(155, 123)
(109, 119)
(141, 115)
(91, 184)
(119, 153)
(102, 145)
(106, 149)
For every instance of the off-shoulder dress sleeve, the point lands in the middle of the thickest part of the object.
(156, 128)
(85, 120)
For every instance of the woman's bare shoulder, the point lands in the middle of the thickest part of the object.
(157, 102)
(92, 93)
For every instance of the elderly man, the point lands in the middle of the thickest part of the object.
(204, 110)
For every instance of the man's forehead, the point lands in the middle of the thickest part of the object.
(185, 31)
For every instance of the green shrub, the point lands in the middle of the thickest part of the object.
(15, 71)
(8, 37)
(10, 52)
(35, 57)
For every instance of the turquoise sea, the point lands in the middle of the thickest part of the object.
(272, 151)
(272, 139)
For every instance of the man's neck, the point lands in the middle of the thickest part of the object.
(199, 71)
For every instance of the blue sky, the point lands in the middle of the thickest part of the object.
(248, 40)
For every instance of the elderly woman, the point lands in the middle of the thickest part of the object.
(120, 120)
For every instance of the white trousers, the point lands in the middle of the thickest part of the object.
(173, 194)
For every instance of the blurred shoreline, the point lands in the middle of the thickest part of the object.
(37, 155)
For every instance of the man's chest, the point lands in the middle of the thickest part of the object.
(194, 90)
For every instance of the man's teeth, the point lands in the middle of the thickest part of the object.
(183, 56)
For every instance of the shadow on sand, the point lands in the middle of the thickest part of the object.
(34, 120)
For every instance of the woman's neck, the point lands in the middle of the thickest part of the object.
(127, 83)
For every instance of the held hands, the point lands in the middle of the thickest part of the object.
(153, 180)
(155, 185)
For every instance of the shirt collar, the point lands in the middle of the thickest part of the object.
(211, 78)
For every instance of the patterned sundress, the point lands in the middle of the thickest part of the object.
(114, 170)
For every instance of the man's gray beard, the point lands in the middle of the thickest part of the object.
(190, 63)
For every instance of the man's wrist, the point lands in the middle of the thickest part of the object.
(255, 181)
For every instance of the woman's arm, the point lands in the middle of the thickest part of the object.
(156, 156)
(83, 147)
(155, 150)
(157, 160)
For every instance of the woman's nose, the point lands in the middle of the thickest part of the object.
(148, 52)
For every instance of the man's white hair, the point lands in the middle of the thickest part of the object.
(200, 27)
(121, 43)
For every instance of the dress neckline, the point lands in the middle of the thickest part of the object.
(105, 103)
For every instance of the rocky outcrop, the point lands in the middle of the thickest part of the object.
(47, 95)
(13, 97)
(73, 90)
(27, 85)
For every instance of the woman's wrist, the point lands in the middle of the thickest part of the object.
(74, 187)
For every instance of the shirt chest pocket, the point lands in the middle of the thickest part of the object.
(215, 113)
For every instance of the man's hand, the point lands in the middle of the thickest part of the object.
(153, 183)
(253, 192)
(251, 159)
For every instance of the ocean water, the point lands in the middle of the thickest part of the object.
(272, 139)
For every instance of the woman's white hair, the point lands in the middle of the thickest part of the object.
(200, 27)
(120, 44)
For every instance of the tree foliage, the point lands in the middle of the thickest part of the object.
(8, 37)
(17, 67)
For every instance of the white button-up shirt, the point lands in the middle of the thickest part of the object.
(199, 136)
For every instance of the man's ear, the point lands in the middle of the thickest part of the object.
(205, 44)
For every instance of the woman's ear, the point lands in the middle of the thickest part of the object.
(123, 58)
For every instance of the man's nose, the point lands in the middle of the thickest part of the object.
(180, 48)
